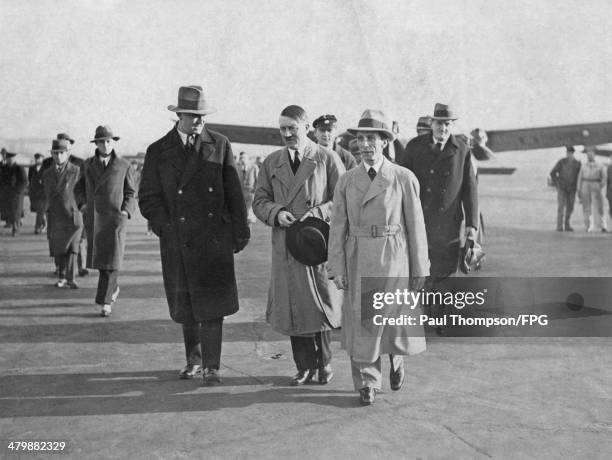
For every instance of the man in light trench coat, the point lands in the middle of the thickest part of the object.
(191, 195)
(105, 194)
(377, 230)
(296, 182)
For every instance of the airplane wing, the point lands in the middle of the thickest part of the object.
(548, 137)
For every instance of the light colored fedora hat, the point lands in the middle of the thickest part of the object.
(191, 100)
(373, 120)
(444, 112)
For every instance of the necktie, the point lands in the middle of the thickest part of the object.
(438, 147)
(372, 173)
(190, 143)
(296, 163)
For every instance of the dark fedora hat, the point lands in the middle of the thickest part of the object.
(373, 120)
(424, 123)
(191, 100)
(65, 136)
(307, 241)
(38, 155)
(443, 112)
(103, 133)
(59, 145)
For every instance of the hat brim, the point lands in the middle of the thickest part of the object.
(389, 134)
(444, 118)
(56, 150)
(98, 139)
(307, 255)
(205, 111)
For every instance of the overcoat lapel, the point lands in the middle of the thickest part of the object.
(103, 174)
(380, 183)
(306, 169)
(282, 170)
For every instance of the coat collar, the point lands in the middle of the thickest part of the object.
(381, 182)
(282, 169)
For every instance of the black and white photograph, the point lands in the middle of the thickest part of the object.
(306, 229)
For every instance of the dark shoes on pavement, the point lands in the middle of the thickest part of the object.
(302, 377)
(190, 371)
(212, 377)
(367, 395)
(396, 378)
(326, 374)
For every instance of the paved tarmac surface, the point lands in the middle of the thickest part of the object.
(109, 387)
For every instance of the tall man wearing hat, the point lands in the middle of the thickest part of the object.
(36, 193)
(295, 183)
(325, 132)
(13, 185)
(106, 195)
(191, 194)
(377, 230)
(65, 219)
(449, 191)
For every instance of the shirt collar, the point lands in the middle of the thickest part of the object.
(443, 143)
(376, 165)
(292, 154)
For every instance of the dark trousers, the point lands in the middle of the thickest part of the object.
(565, 206)
(203, 343)
(41, 221)
(107, 284)
(67, 266)
(311, 352)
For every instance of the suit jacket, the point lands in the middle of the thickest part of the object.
(301, 299)
(106, 192)
(65, 222)
(36, 191)
(195, 205)
(13, 184)
(449, 194)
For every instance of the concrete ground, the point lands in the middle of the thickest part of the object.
(109, 387)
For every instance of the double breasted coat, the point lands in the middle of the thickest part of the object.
(36, 189)
(64, 220)
(13, 185)
(391, 202)
(449, 194)
(301, 299)
(106, 192)
(195, 205)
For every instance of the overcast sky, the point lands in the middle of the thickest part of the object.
(71, 65)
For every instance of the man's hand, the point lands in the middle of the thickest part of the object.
(285, 219)
(340, 282)
(417, 282)
(470, 233)
(308, 214)
(480, 137)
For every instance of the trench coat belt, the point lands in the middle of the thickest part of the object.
(590, 180)
(375, 231)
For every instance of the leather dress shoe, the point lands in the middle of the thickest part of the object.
(396, 378)
(302, 377)
(212, 376)
(367, 395)
(190, 371)
(326, 374)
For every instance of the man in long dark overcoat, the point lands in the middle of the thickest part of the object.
(106, 194)
(36, 193)
(13, 185)
(192, 197)
(449, 191)
(64, 217)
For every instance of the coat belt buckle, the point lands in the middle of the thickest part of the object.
(375, 233)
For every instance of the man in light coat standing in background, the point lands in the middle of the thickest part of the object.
(296, 182)
(106, 195)
(377, 231)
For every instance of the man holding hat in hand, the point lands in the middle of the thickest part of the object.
(325, 132)
(377, 230)
(295, 183)
(191, 195)
(65, 220)
(106, 195)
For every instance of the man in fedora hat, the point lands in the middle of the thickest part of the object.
(449, 191)
(65, 220)
(325, 133)
(106, 196)
(13, 185)
(191, 194)
(36, 193)
(423, 125)
(295, 183)
(377, 230)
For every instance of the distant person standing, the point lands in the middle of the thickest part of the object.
(325, 133)
(65, 220)
(36, 193)
(106, 193)
(564, 177)
(591, 181)
(13, 185)
(609, 187)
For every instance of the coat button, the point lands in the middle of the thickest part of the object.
(428, 190)
(431, 171)
(210, 189)
(441, 209)
(182, 219)
(210, 215)
(180, 192)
